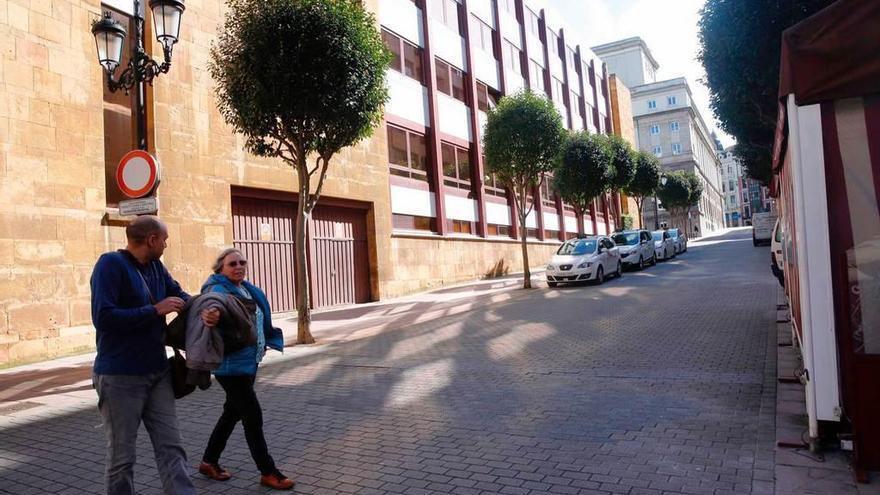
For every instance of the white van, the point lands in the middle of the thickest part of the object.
(777, 263)
(762, 227)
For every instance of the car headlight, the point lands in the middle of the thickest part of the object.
(585, 264)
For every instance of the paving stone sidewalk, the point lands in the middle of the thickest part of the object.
(657, 383)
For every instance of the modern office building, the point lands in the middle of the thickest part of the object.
(408, 209)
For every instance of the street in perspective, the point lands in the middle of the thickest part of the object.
(460, 247)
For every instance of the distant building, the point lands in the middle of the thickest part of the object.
(630, 60)
(668, 124)
(732, 188)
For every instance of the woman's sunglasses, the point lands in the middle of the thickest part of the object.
(234, 264)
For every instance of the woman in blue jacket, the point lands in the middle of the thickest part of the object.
(237, 374)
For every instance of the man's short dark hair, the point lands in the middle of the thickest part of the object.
(143, 227)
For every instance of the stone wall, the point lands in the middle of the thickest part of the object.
(622, 125)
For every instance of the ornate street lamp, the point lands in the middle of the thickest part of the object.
(110, 37)
(663, 180)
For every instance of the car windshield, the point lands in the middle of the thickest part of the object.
(627, 239)
(673, 234)
(658, 236)
(577, 247)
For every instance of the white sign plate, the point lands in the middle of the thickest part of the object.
(140, 206)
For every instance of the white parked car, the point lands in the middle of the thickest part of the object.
(679, 239)
(777, 262)
(584, 258)
(636, 248)
(762, 227)
(664, 246)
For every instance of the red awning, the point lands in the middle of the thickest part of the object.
(832, 54)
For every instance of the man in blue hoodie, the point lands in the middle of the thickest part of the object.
(132, 292)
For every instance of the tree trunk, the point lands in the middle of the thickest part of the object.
(641, 217)
(527, 274)
(304, 320)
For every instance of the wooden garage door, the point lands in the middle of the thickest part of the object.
(338, 258)
(264, 231)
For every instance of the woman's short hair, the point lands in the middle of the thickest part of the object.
(218, 264)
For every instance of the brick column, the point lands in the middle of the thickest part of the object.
(433, 133)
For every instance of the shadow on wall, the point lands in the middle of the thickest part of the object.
(500, 269)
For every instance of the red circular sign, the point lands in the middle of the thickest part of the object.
(137, 173)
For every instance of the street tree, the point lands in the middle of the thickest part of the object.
(675, 196)
(695, 193)
(645, 180)
(522, 141)
(585, 170)
(623, 165)
(300, 80)
(740, 49)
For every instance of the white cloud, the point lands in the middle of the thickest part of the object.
(669, 28)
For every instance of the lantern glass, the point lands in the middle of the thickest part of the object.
(166, 21)
(109, 39)
(663, 180)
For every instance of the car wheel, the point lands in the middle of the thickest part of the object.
(654, 260)
(600, 276)
(754, 242)
(619, 269)
(641, 262)
(552, 284)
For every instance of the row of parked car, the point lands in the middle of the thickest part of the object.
(593, 258)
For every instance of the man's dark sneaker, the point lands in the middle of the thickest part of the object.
(276, 480)
(214, 471)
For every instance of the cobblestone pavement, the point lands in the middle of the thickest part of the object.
(659, 382)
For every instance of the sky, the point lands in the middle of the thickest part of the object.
(669, 27)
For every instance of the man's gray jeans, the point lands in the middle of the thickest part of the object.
(126, 400)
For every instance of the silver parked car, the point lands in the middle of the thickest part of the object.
(679, 239)
(664, 246)
(636, 248)
(584, 258)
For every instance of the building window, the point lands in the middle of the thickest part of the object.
(533, 24)
(450, 80)
(484, 36)
(548, 198)
(552, 43)
(676, 148)
(447, 12)
(558, 91)
(119, 124)
(670, 100)
(486, 98)
(492, 186)
(413, 222)
(406, 57)
(673, 126)
(407, 154)
(658, 151)
(494, 229)
(575, 104)
(508, 6)
(456, 166)
(460, 226)
(550, 235)
(570, 58)
(655, 129)
(536, 77)
(512, 57)
(652, 104)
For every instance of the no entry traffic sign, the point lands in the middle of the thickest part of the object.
(137, 174)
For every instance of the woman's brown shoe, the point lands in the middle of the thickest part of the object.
(214, 471)
(277, 481)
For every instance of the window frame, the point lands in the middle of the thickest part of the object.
(654, 129)
(674, 126)
(401, 55)
(451, 72)
(652, 104)
(408, 171)
(457, 181)
(657, 150)
(671, 101)
(676, 148)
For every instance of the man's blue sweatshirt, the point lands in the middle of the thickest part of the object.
(130, 334)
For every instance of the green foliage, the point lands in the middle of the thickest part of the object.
(740, 49)
(522, 140)
(297, 77)
(623, 162)
(584, 171)
(695, 188)
(646, 177)
(675, 195)
(627, 221)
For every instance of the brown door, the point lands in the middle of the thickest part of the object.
(263, 231)
(338, 259)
